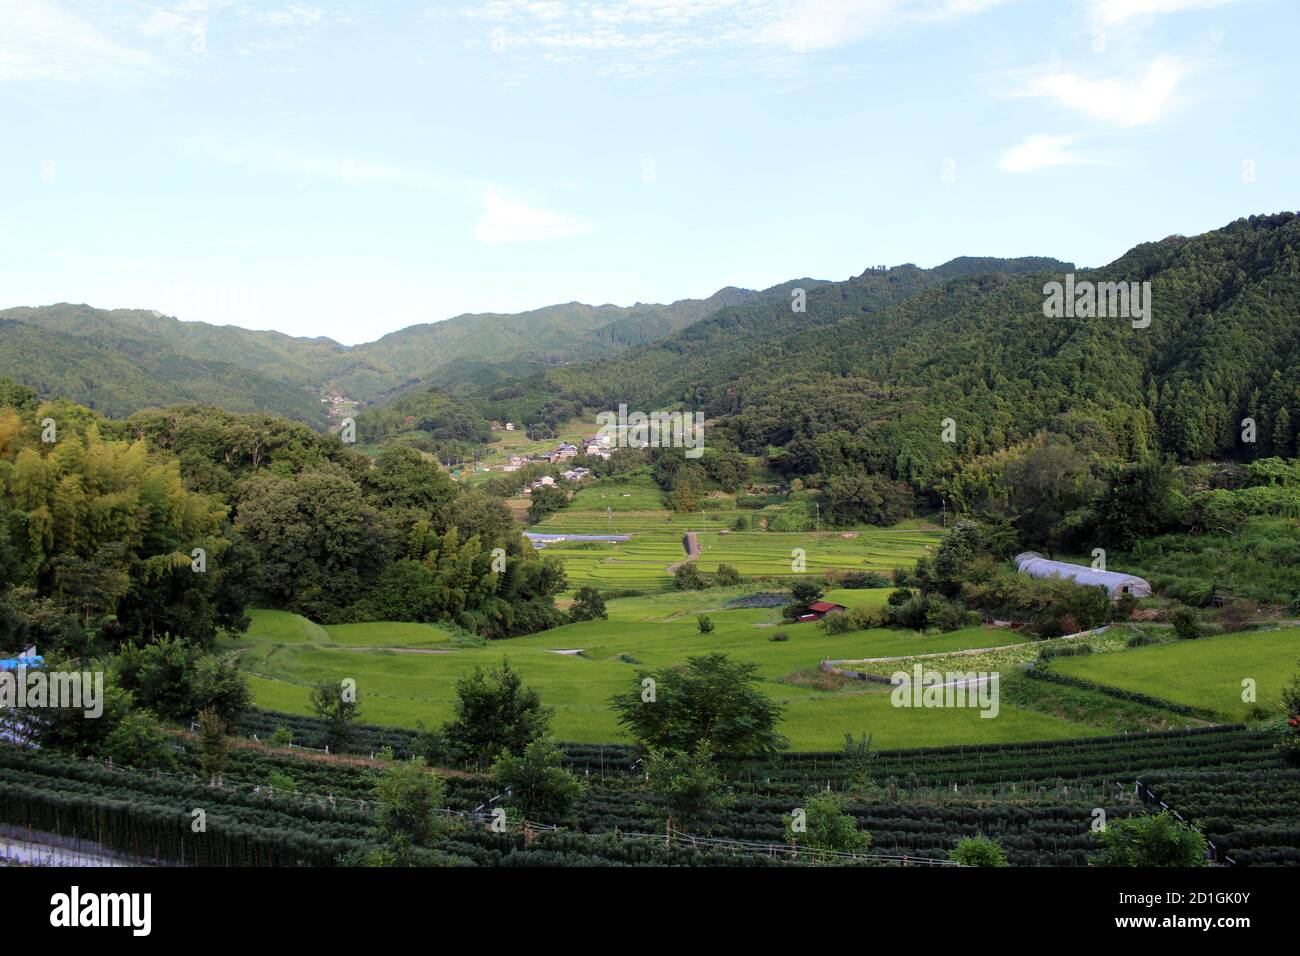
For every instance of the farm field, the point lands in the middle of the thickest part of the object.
(633, 506)
(405, 684)
(1205, 673)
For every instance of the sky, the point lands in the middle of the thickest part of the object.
(348, 169)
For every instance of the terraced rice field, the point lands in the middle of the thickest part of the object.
(642, 563)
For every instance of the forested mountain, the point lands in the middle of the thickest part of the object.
(124, 359)
(436, 353)
(866, 378)
(111, 364)
(692, 364)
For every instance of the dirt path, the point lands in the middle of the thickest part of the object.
(691, 542)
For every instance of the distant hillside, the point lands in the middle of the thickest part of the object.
(435, 353)
(123, 359)
(116, 369)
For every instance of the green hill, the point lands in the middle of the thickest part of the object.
(123, 359)
(117, 369)
(864, 379)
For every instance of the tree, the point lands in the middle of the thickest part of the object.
(402, 478)
(1158, 839)
(978, 851)
(336, 704)
(494, 712)
(802, 594)
(177, 680)
(92, 588)
(138, 741)
(541, 788)
(687, 785)
(1135, 504)
(545, 501)
(861, 760)
(319, 542)
(861, 498)
(213, 747)
(1288, 725)
(827, 827)
(704, 623)
(709, 698)
(1283, 434)
(1046, 484)
(406, 590)
(588, 605)
(727, 576)
(409, 799)
(913, 612)
(1187, 624)
(687, 577)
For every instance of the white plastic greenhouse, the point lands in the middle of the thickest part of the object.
(1115, 582)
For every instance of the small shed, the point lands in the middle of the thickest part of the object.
(819, 609)
(1116, 583)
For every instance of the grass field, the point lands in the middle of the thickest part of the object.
(1206, 673)
(406, 676)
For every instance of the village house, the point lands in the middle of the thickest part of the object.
(544, 481)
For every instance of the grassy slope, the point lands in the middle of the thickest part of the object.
(409, 688)
(1203, 673)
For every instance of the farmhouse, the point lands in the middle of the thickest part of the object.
(1115, 583)
(819, 609)
(546, 481)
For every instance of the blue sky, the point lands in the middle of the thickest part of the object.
(347, 169)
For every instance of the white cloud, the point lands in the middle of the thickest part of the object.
(1040, 151)
(295, 15)
(507, 220)
(1120, 11)
(651, 30)
(1135, 99)
(41, 41)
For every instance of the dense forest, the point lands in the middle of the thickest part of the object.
(431, 421)
(169, 523)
